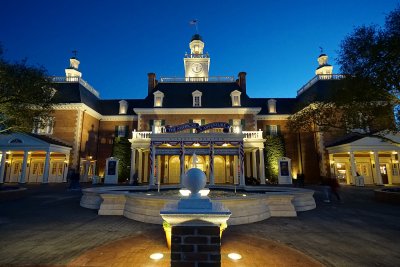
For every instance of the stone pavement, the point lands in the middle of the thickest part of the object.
(47, 227)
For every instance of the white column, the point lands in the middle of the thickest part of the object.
(140, 167)
(133, 165)
(182, 163)
(212, 180)
(353, 167)
(23, 170)
(65, 173)
(254, 159)
(152, 163)
(248, 170)
(262, 169)
(146, 166)
(240, 165)
(159, 169)
(2, 166)
(235, 169)
(377, 169)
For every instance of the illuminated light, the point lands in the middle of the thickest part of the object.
(225, 144)
(244, 195)
(338, 165)
(196, 144)
(168, 144)
(234, 256)
(148, 194)
(8, 152)
(156, 256)
(394, 152)
(186, 192)
(371, 152)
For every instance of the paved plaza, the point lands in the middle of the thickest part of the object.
(47, 227)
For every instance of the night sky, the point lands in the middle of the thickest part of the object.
(119, 42)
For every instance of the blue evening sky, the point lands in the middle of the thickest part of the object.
(119, 42)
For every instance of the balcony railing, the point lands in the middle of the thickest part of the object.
(253, 134)
(210, 79)
(317, 78)
(197, 55)
(63, 79)
(248, 135)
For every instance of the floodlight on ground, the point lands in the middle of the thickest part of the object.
(234, 256)
(156, 256)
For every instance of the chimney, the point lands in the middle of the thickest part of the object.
(152, 82)
(242, 81)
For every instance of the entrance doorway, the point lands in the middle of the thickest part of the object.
(384, 173)
(219, 170)
(36, 172)
(56, 172)
(15, 171)
(174, 170)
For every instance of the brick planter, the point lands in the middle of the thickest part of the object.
(196, 245)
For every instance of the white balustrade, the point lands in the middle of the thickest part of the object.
(253, 134)
(63, 79)
(320, 77)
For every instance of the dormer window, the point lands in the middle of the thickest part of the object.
(197, 98)
(235, 96)
(272, 106)
(158, 98)
(123, 107)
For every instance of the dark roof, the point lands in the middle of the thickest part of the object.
(349, 138)
(76, 93)
(214, 95)
(283, 105)
(319, 91)
(49, 140)
(197, 37)
(111, 106)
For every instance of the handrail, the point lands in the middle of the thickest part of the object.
(317, 78)
(63, 79)
(218, 79)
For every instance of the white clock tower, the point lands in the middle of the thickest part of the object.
(197, 64)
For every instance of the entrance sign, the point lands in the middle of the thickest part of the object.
(199, 128)
(111, 173)
(285, 171)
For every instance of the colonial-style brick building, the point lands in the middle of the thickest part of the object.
(212, 117)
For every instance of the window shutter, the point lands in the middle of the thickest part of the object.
(191, 130)
(267, 130)
(116, 131)
(151, 123)
(243, 123)
(203, 121)
(126, 131)
(278, 130)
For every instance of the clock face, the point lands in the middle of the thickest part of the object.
(197, 67)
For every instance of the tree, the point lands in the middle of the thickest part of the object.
(274, 150)
(363, 101)
(122, 151)
(25, 96)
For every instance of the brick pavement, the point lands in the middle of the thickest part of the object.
(47, 227)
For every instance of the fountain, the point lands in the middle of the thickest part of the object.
(252, 204)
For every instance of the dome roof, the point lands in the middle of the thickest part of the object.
(322, 55)
(197, 37)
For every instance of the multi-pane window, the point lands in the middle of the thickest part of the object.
(43, 126)
(197, 101)
(273, 130)
(122, 130)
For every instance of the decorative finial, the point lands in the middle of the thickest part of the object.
(321, 49)
(75, 52)
(195, 22)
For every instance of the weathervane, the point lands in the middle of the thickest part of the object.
(321, 49)
(75, 52)
(195, 22)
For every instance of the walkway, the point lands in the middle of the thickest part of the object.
(48, 228)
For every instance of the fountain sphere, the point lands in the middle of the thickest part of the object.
(194, 180)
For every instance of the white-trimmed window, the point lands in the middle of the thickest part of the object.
(272, 106)
(197, 98)
(121, 132)
(43, 126)
(123, 107)
(158, 98)
(235, 97)
(273, 130)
